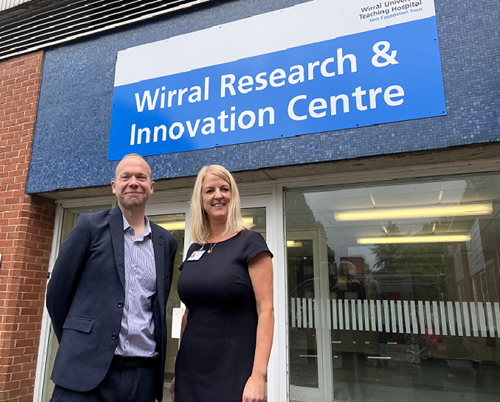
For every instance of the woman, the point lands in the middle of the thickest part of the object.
(348, 286)
(226, 284)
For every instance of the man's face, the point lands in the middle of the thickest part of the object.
(132, 184)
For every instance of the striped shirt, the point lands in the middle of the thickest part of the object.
(137, 330)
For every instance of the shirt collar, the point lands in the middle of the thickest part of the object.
(147, 230)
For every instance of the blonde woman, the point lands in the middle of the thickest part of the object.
(227, 285)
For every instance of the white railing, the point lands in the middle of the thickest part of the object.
(476, 319)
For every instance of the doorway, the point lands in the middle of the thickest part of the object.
(173, 217)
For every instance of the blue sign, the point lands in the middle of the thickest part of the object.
(378, 76)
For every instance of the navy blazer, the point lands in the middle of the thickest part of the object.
(86, 293)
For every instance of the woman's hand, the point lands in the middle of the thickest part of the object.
(172, 389)
(255, 389)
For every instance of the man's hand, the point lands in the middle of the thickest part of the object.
(172, 389)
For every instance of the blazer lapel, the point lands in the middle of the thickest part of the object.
(158, 245)
(116, 228)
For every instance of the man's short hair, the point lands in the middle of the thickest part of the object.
(137, 156)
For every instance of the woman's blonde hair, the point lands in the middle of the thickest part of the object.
(343, 274)
(200, 226)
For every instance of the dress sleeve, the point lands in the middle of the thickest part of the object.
(254, 245)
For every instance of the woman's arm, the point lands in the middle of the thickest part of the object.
(261, 274)
(183, 325)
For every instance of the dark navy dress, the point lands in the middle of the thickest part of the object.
(217, 349)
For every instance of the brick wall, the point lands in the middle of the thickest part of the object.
(26, 228)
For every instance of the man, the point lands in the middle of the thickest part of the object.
(107, 298)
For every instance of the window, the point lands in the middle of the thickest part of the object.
(393, 290)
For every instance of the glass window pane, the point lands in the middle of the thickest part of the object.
(394, 290)
(255, 219)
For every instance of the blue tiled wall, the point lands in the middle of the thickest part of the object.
(74, 112)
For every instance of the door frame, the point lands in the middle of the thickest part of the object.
(267, 195)
(325, 388)
(277, 374)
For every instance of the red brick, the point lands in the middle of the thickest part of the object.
(30, 296)
(40, 303)
(28, 327)
(6, 242)
(20, 391)
(5, 362)
(15, 319)
(26, 398)
(17, 303)
(29, 366)
(31, 351)
(12, 385)
(8, 311)
(29, 384)
(5, 378)
(30, 311)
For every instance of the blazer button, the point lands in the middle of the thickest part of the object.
(120, 304)
(114, 336)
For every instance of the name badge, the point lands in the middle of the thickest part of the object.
(196, 255)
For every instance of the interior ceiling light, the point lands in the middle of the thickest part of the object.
(421, 212)
(181, 225)
(413, 239)
(176, 225)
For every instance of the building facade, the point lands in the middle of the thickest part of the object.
(364, 139)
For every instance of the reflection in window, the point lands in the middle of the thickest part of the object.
(393, 289)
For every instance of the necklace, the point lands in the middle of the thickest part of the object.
(211, 248)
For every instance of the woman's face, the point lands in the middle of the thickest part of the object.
(216, 195)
